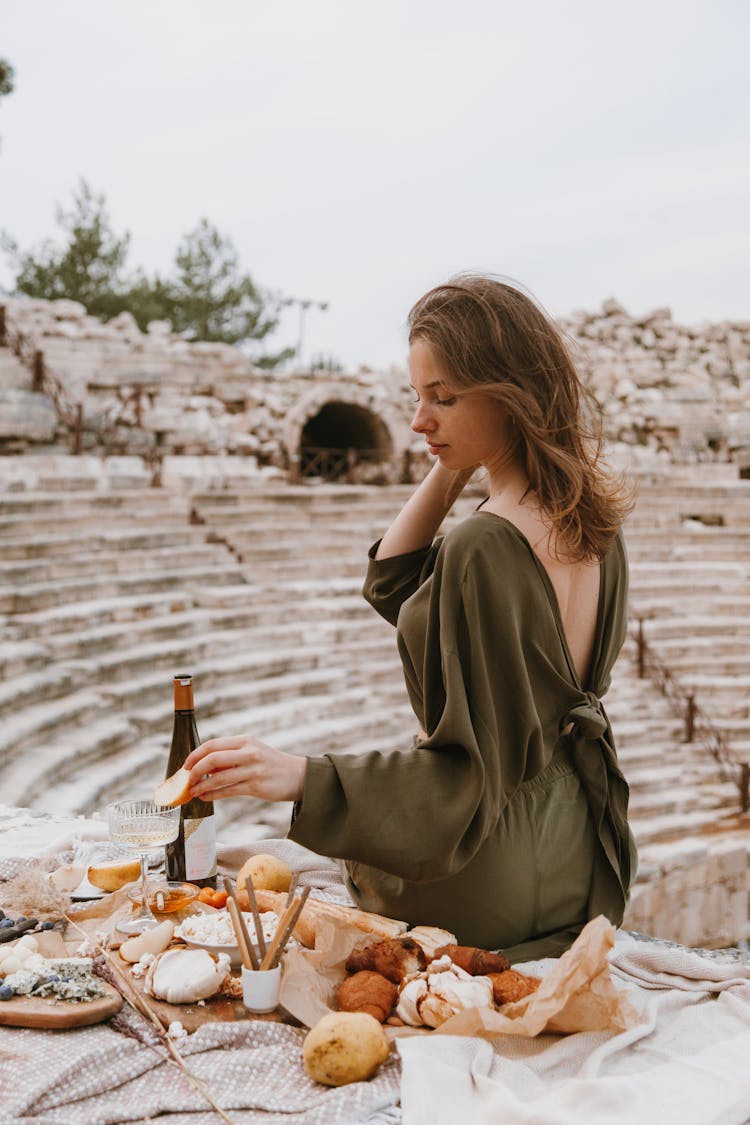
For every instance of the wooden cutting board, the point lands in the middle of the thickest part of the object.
(28, 1011)
(217, 1009)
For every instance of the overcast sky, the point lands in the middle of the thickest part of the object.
(360, 153)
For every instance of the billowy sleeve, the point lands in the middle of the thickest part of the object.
(389, 582)
(423, 812)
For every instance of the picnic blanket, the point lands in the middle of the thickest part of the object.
(688, 1060)
(686, 1063)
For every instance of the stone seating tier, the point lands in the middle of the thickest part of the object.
(262, 602)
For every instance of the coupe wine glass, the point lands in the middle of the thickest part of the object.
(141, 826)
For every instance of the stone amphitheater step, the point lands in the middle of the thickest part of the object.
(687, 799)
(31, 729)
(251, 603)
(107, 503)
(665, 551)
(699, 627)
(46, 684)
(663, 827)
(652, 606)
(73, 590)
(267, 623)
(677, 574)
(19, 657)
(689, 655)
(41, 571)
(147, 698)
(102, 539)
(64, 517)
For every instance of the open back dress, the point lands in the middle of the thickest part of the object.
(507, 824)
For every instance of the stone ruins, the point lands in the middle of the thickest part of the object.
(165, 506)
(664, 389)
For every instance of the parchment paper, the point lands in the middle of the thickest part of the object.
(577, 992)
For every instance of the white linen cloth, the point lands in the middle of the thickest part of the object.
(687, 1063)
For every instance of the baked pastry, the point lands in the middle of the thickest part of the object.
(431, 938)
(369, 992)
(509, 986)
(395, 958)
(475, 962)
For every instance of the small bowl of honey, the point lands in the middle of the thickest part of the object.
(166, 897)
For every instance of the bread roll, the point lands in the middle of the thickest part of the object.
(173, 791)
(316, 911)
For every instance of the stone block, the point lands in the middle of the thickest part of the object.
(65, 309)
(27, 415)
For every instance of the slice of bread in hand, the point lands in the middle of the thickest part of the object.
(173, 791)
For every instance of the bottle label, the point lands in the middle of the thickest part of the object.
(200, 847)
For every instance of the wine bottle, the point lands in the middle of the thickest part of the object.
(192, 856)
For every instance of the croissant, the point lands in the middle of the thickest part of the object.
(368, 992)
(509, 986)
(476, 962)
(395, 958)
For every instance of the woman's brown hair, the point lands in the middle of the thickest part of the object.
(490, 336)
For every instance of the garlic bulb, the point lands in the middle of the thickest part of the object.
(184, 976)
(443, 989)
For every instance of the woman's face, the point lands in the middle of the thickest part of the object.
(461, 431)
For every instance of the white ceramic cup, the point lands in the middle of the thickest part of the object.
(260, 988)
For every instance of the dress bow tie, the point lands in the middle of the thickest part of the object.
(587, 717)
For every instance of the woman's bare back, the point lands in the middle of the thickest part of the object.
(576, 584)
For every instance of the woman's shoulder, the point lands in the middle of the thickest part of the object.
(484, 540)
(483, 529)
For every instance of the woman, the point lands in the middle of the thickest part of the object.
(506, 821)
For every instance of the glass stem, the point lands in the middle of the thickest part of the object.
(145, 909)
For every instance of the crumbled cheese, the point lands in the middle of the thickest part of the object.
(22, 981)
(140, 968)
(176, 1030)
(216, 928)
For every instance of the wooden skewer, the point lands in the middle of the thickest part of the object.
(292, 888)
(247, 952)
(256, 915)
(286, 924)
(249, 945)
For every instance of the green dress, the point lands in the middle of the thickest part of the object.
(497, 826)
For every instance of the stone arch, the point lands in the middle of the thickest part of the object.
(348, 422)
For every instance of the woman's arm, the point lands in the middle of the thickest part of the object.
(421, 516)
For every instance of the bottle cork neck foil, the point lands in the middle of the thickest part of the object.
(183, 693)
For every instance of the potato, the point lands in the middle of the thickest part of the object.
(151, 941)
(344, 1047)
(267, 872)
(113, 876)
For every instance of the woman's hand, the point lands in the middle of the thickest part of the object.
(241, 766)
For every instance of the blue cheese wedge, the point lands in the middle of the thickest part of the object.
(68, 979)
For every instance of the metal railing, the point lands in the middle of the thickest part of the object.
(335, 464)
(698, 724)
